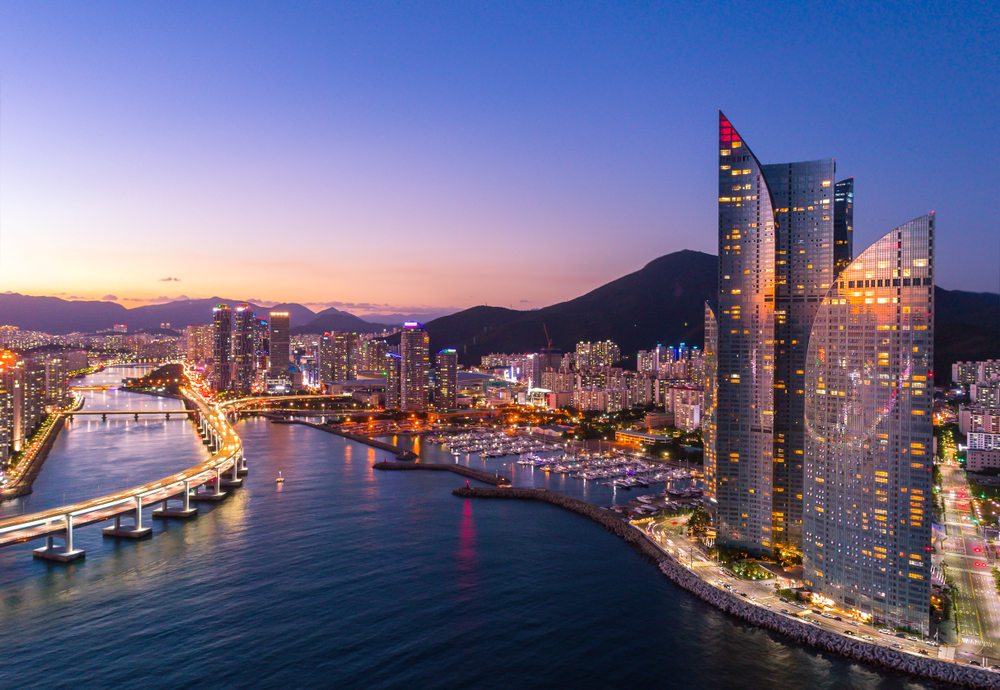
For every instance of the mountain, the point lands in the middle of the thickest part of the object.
(335, 320)
(199, 311)
(661, 303)
(58, 316)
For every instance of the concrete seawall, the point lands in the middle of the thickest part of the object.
(957, 675)
(462, 470)
(401, 453)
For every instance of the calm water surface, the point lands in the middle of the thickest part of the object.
(344, 577)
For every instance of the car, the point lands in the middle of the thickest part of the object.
(868, 637)
(923, 651)
(885, 631)
(784, 610)
(901, 635)
(837, 618)
(896, 646)
(849, 632)
(974, 663)
(912, 638)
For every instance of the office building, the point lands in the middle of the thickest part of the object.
(414, 350)
(278, 343)
(222, 349)
(869, 415)
(244, 349)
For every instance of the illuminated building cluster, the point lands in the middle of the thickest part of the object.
(785, 233)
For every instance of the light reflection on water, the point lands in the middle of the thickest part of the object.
(344, 577)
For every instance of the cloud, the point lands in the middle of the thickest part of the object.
(525, 301)
(109, 298)
(170, 280)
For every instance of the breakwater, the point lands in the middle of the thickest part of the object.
(401, 453)
(462, 470)
(23, 485)
(958, 675)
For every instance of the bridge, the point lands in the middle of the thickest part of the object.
(203, 482)
(132, 413)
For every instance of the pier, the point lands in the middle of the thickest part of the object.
(401, 453)
(461, 470)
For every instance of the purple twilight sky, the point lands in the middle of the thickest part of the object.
(417, 156)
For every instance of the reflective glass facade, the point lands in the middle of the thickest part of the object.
(414, 350)
(222, 347)
(744, 411)
(868, 461)
(804, 270)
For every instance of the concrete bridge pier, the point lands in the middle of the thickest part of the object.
(243, 469)
(136, 531)
(232, 478)
(214, 492)
(64, 553)
(104, 417)
(186, 510)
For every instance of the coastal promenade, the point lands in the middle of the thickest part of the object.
(221, 470)
(789, 624)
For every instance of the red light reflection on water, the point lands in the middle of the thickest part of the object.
(466, 556)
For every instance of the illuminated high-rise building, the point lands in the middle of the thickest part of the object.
(278, 343)
(222, 350)
(777, 259)
(414, 351)
(244, 349)
(843, 223)
(869, 442)
(392, 365)
(446, 381)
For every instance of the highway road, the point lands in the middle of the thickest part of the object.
(968, 564)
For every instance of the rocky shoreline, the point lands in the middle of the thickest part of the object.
(953, 674)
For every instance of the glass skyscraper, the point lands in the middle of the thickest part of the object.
(778, 244)
(869, 458)
(414, 372)
(222, 347)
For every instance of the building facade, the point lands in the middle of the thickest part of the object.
(244, 349)
(414, 351)
(446, 382)
(222, 347)
(278, 325)
(869, 459)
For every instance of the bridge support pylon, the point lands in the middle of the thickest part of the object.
(184, 512)
(135, 531)
(64, 553)
(232, 477)
(214, 492)
(243, 469)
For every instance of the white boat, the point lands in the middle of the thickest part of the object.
(280, 479)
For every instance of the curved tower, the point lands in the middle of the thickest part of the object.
(868, 461)
(744, 414)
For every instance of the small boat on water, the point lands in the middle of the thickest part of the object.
(280, 479)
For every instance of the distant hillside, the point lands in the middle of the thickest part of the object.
(664, 302)
(335, 320)
(661, 303)
(58, 316)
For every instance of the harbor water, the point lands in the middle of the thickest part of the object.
(345, 577)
